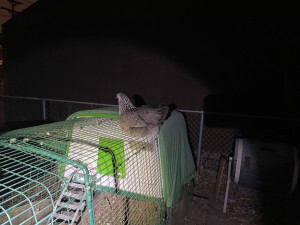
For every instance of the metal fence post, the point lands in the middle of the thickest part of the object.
(200, 139)
(44, 109)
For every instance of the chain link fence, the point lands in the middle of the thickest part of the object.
(194, 129)
(208, 142)
(210, 135)
(23, 112)
(217, 142)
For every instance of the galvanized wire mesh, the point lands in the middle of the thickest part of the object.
(59, 111)
(19, 109)
(50, 173)
(216, 142)
(114, 206)
(27, 186)
(193, 122)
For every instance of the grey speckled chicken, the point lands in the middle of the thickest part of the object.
(140, 121)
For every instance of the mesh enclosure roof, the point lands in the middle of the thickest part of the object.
(86, 170)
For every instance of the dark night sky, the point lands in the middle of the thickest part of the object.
(248, 52)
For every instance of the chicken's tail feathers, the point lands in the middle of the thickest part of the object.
(166, 111)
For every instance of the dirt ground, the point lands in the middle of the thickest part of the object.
(198, 205)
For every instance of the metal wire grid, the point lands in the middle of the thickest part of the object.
(28, 188)
(216, 142)
(59, 111)
(132, 198)
(19, 109)
(55, 110)
(121, 210)
(193, 122)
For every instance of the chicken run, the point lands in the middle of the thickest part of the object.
(86, 170)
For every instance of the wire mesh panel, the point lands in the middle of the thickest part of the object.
(60, 110)
(45, 110)
(193, 120)
(29, 185)
(80, 171)
(216, 142)
(23, 109)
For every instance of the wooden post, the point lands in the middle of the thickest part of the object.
(227, 185)
(219, 176)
